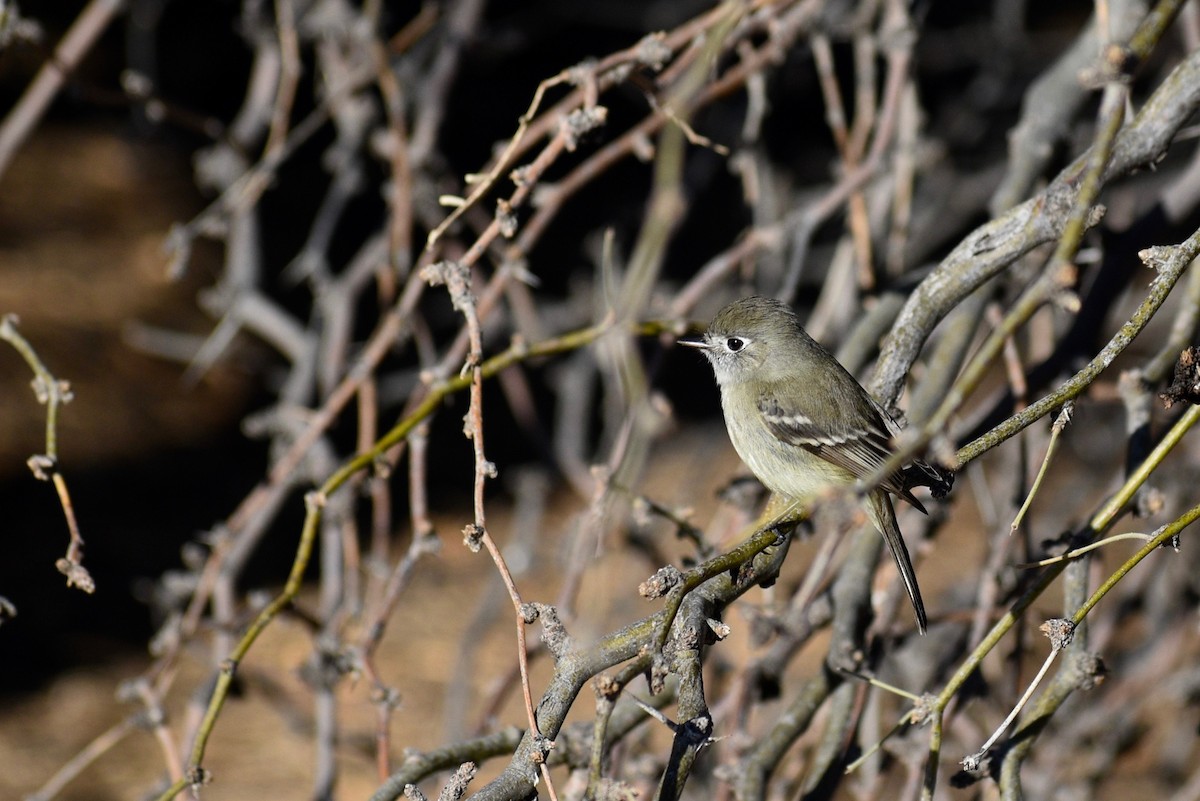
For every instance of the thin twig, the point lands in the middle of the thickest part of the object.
(45, 467)
(1060, 423)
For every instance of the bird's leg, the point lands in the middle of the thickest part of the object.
(781, 515)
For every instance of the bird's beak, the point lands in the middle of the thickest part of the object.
(696, 341)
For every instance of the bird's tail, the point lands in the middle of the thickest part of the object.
(885, 520)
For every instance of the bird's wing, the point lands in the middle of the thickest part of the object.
(860, 449)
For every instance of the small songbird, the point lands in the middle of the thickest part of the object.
(801, 422)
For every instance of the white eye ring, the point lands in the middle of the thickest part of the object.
(734, 344)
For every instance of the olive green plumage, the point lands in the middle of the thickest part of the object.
(800, 421)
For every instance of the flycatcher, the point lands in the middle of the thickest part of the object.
(801, 422)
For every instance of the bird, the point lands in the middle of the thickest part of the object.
(802, 423)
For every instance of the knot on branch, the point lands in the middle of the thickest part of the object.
(197, 777)
(554, 633)
(660, 583)
(522, 176)
(42, 465)
(456, 277)
(652, 51)
(77, 575)
(57, 389)
(606, 687)
(1059, 630)
(579, 122)
(542, 746)
(314, 501)
(1158, 256)
(974, 768)
(506, 219)
(473, 536)
(582, 73)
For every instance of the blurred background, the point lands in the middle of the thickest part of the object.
(224, 207)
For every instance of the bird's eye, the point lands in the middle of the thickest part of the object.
(734, 344)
